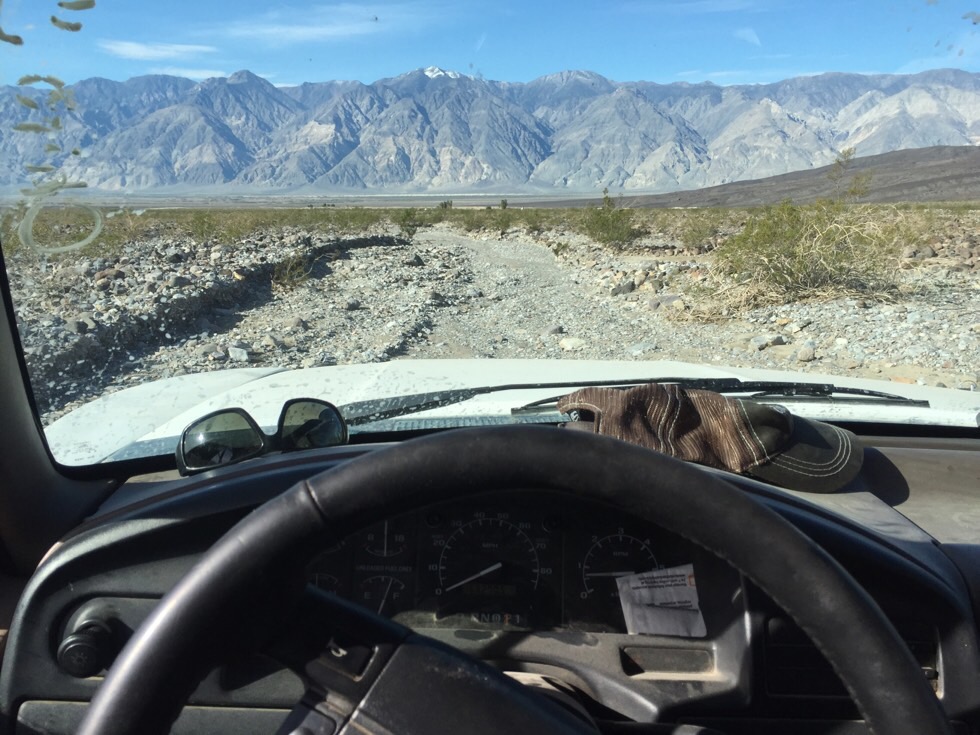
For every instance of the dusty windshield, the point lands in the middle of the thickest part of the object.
(206, 204)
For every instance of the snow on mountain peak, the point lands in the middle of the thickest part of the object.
(434, 72)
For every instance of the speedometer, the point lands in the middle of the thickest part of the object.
(491, 569)
(488, 557)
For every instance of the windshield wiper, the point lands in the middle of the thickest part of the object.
(762, 389)
(365, 412)
(379, 409)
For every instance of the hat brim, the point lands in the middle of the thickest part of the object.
(817, 458)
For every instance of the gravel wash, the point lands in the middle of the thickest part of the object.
(295, 299)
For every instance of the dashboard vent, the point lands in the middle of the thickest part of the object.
(794, 667)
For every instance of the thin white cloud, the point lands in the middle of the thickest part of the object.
(728, 74)
(480, 41)
(287, 26)
(153, 51)
(748, 35)
(180, 71)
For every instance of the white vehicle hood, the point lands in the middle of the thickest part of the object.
(152, 416)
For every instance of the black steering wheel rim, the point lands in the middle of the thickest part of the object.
(147, 681)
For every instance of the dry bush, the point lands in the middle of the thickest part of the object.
(291, 272)
(609, 225)
(825, 250)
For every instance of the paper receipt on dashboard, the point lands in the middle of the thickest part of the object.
(662, 602)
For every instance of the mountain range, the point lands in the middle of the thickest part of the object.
(432, 130)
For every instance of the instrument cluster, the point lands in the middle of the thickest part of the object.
(513, 561)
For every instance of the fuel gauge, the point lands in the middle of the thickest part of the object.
(382, 593)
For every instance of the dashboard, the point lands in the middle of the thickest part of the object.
(520, 561)
(527, 580)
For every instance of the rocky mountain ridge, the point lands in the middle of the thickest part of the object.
(436, 131)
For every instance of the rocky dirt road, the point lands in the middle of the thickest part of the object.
(296, 299)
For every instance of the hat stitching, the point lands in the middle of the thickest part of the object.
(671, 449)
(838, 460)
(724, 445)
(660, 415)
(766, 456)
(734, 438)
(843, 452)
(826, 469)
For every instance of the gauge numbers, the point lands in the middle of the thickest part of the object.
(389, 538)
(488, 557)
(611, 557)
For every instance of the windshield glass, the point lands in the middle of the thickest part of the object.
(214, 205)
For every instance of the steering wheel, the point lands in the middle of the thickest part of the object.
(366, 674)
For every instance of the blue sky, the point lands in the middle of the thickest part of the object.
(723, 41)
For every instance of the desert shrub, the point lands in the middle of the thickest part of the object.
(291, 272)
(533, 220)
(203, 225)
(699, 227)
(409, 221)
(609, 224)
(502, 220)
(473, 219)
(434, 215)
(356, 220)
(789, 251)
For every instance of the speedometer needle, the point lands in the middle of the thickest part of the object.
(609, 574)
(488, 570)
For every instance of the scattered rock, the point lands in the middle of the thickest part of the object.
(77, 326)
(237, 354)
(672, 300)
(270, 342)
(761, 342)
(572, 344)
(642, 348)
(806, 354)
